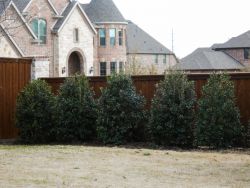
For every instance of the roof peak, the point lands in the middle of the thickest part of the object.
(139, 41)
(240, 41)
(102, 11)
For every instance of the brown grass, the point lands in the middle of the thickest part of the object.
(81, 166)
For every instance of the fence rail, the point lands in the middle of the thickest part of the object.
(14, 75)
(146, 85)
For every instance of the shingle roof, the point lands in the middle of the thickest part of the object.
(3, 5)
(208, 59)
(138, 41)
(21, 4)
(241, 41)
(103, 11)
(64, 14)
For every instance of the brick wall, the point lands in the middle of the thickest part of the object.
(238, 54)
(110, 53)
(59, 5)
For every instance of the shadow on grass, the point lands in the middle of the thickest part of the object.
(135, 145)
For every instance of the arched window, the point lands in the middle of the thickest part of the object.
(39, 27)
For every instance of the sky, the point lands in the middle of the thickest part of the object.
(195, 23)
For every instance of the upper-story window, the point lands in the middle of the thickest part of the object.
(102, 37)
(76, 35)
(247, 53)
(120, 37)
(112, 35)
(39, 27)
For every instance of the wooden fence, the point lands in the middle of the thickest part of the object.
(146, 86)
(14, 75)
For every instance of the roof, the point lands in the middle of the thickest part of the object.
(208, 59)
(101, 11)
(21, 4)
(65, 14)
(241, 41)
(140, 42)
(3, 5)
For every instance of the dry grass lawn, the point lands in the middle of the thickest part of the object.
(82, 166)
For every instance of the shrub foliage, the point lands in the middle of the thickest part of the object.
(120, 111)
(218, 122)
(76, 111)
(34, 112)
(172, 111)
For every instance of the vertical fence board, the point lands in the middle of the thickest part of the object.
(14, 75)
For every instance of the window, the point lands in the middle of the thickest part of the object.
(39, 27)
(156, 59)
(165, 59)
(121, 67)
(120, 38)
(103, 69)
(102, 36)
(113, 67)
(76, 35)
(247, 53)
(112, 36)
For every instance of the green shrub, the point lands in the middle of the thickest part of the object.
(77, 112)
(247, 135)
(218, 122)
(34, 112)
(172, 111)
(120, 111)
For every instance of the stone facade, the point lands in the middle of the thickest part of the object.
(7, 49)
(40, 69)
(145, 64)
(66, 44)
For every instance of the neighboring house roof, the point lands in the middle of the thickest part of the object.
(21, 4)
(208, 59)
(103, 11)
(65, 15)
(3, 5)
(241, 41)
(140, 42)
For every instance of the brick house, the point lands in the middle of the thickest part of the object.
(65, 37)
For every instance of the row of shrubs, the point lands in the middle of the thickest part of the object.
(176, 117)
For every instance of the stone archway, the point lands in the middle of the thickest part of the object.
(75, 63)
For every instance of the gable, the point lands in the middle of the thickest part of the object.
(77, 20)
(37, 8)
(67, 14)
(59, 5)
(8, 47)
(13, 13)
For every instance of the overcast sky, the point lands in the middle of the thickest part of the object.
(196, 23)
